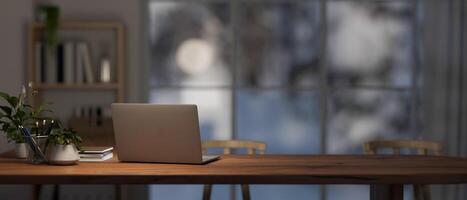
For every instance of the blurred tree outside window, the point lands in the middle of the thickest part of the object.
(305, 76)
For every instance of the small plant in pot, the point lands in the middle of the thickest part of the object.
(16, 113)
(63, 147)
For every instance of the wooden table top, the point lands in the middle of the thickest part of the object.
(266, 169)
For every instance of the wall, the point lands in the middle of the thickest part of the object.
(444, 105)
(14, 16)
(129, 13)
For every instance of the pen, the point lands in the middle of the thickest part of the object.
(32, 143)
(27, 138)
(43, 125)
(49, 129)
(35, 145)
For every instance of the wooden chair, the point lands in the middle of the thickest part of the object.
(421, 192)
(252, 148)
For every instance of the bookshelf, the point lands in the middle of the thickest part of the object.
(100, 86)
(35, 31)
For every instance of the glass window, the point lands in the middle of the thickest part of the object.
(278, 43)
(287, 121)
(213, 108)
(189, 43)
(370, 43)
(259, 70)
(280, 192)
(360, 115)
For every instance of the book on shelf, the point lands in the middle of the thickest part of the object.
(85, 57)
(78, 67)
(50, 64)
(68, 63)
(39, 57)
(60, 63)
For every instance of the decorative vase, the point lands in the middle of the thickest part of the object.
(21, 150)
(62, 154)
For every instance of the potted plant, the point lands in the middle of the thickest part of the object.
(63, 147)
(16, 113)
(50, 15)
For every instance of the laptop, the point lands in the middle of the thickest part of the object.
(158, 133)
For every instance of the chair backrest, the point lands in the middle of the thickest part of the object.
(253, 147)
(422, 147)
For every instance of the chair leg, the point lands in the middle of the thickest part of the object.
(245, 192)
(118, 192)
(207, 192)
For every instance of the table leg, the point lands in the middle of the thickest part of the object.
(56, 192)
(36, 192)
(387, 192)
(118, 192)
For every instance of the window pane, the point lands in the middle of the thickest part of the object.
(370, 43)
(346, 192)
(179, 192)
(189, 43)
(187, 192)
(287, 121)
(359, 115)
(213, 108)
(215, 123)
(281, 192)
(360, 192)
(278, 43)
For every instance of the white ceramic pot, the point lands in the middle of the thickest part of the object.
(62, 154)
(21, 150)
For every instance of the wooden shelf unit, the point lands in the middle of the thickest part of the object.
(34, 32)
(99, 86)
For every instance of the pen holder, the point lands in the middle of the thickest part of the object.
(37, 155)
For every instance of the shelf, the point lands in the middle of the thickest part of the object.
(35, 33)
(83, 25)
(96, 86)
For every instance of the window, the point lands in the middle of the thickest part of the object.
(305, 76)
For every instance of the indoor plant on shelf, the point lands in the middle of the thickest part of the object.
(16, 113)
(63, 146)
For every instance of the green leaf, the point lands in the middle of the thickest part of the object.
(4, 96)
(3, 123)
(5, 127)
(13, 101)
(64, 137)
(6, 109)
(20, 114)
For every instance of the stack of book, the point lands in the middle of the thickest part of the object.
(95, 154)
(67, 63)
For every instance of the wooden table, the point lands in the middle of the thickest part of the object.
(387, 173)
